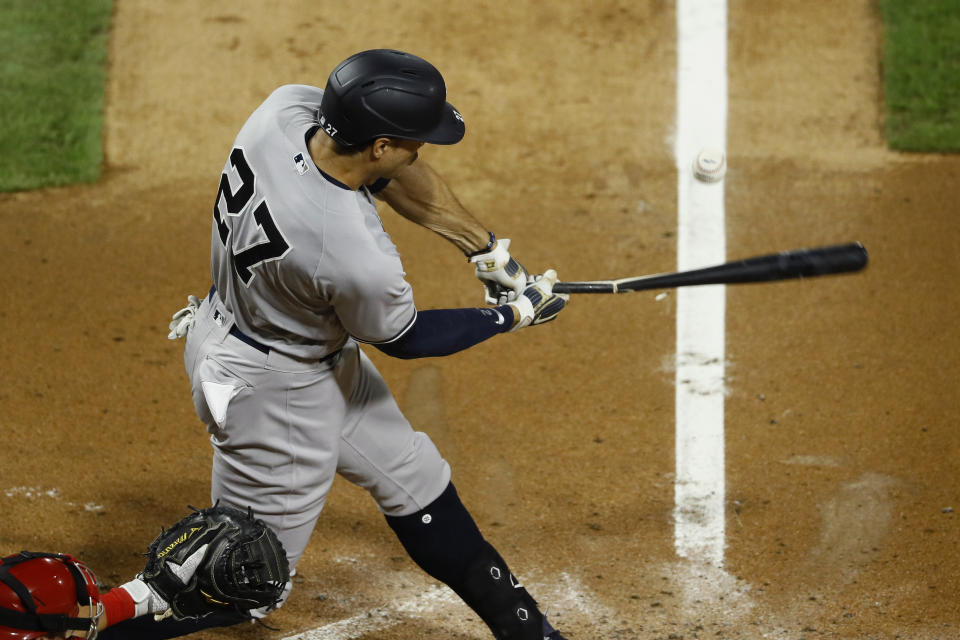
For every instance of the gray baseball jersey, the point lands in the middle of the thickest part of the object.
(300, 264)
(300, 260)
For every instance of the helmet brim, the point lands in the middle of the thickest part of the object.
(450, 130)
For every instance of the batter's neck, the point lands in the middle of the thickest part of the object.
(348, 169)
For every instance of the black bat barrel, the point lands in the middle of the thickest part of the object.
(799, 263)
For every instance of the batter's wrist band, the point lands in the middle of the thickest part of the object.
(510, 317)
(118, 605)
(493, 241)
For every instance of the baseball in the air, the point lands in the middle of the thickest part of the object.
(710, 165)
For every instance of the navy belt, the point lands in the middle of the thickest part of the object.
(240, 335)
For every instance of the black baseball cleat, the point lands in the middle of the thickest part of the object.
(549, 633)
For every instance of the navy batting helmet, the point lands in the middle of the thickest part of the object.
(390, 94)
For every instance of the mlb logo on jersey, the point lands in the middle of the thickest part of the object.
(301, 163)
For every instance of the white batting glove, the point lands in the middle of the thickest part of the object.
(183, 319)
(503, 278)
(538, 303)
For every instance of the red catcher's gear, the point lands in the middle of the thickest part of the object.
(41, 593)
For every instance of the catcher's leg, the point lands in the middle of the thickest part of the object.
(146, 628)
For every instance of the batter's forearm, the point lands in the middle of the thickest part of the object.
(442, 332)
(420, 195)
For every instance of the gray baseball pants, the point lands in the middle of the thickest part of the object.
(281, 428)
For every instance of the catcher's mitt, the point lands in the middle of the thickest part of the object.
(243, 566)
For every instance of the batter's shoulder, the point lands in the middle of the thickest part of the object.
(297, 93)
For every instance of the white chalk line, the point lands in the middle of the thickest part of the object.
(431, 601)
(563, 597)
(40, 493)
(699, 493)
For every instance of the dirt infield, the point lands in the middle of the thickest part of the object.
(841, 420)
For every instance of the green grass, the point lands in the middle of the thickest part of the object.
(52, 67)
(921, 74)
(53, 58)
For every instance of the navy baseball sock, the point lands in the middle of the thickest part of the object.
(442, 538)
(445, 542)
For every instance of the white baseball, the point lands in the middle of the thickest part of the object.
(710, 165)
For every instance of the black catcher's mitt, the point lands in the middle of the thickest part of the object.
(243, 567)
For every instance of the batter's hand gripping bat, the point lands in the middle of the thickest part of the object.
(799, 263)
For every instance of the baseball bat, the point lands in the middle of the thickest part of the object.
(798, 263)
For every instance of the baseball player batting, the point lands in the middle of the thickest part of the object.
(302, 272)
